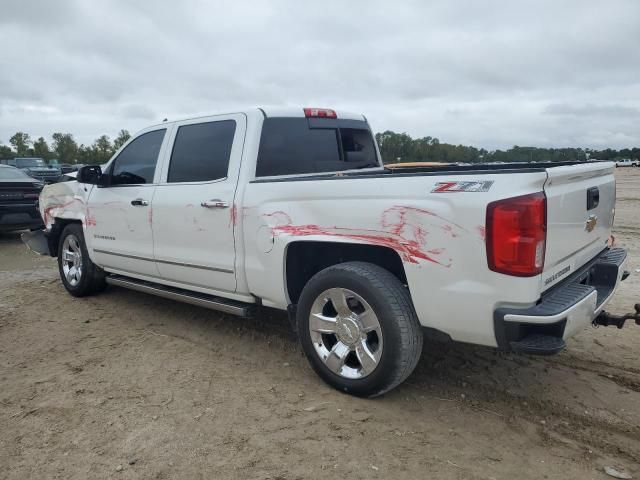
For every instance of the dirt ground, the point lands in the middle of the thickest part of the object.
(126, 385)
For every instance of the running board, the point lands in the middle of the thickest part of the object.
(194, 298)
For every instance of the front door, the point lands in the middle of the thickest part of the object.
(119, 213)
(194, 216)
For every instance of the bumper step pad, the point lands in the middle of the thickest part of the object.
(539, 345)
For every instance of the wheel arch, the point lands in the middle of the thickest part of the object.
(305, 258)
(53, 237)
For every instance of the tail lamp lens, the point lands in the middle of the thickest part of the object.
(516, 234)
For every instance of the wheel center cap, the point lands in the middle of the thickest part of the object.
(348, 330)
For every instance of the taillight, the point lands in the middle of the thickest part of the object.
(319, 113)
(516, 234)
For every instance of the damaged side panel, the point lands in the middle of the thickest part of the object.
(441, 233)
(64, 200)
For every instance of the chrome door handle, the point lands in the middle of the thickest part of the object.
(215, 204)
(139, 202)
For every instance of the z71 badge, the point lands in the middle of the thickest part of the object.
(466, 186)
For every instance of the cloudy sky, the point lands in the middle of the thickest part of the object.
(485, 73)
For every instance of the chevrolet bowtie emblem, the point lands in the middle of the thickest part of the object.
(591, 223)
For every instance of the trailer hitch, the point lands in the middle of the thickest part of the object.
(606, 319)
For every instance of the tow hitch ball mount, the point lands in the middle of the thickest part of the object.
(606, 319)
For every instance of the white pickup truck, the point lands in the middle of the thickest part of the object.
(294, 210)
(628, 162)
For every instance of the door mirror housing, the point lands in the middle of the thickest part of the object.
(91, 174)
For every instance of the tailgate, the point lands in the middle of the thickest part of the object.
(580, 209)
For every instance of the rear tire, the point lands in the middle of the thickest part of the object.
(79, 275)
(358, 328)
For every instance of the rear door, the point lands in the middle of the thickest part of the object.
(580, 210)
(194, 215)
(118, 215)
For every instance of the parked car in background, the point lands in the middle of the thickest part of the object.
(628, 162)
(36, 168)
(64, 167)
(18, 200)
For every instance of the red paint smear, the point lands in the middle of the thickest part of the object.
(409, 250)
(90, 220)
(482, 231)
(402, 211)
(150, 215)
(47, 211)
(400, 233)
(395, 220)
(279, 213)
(233, 215)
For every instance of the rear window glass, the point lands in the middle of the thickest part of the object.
(201, 152)
(289, 146)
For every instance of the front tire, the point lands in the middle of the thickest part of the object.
(358, 328)
(78, 273)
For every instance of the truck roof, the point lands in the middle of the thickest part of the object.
(271, 112)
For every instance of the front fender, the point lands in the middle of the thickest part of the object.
(66, 201)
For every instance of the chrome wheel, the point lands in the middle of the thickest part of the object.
(346, 333)
(72, 260)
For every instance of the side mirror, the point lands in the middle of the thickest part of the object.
(91, 174)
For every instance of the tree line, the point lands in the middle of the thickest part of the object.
(394, 147)
(64, 148)
(400, 147)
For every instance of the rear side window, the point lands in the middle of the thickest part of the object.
(358, 146)
(201, 152)
(291, 146)
(136, 164)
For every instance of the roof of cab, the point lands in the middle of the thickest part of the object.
(267, 111)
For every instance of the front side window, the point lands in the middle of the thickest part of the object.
(136, 164)
(201, 152)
